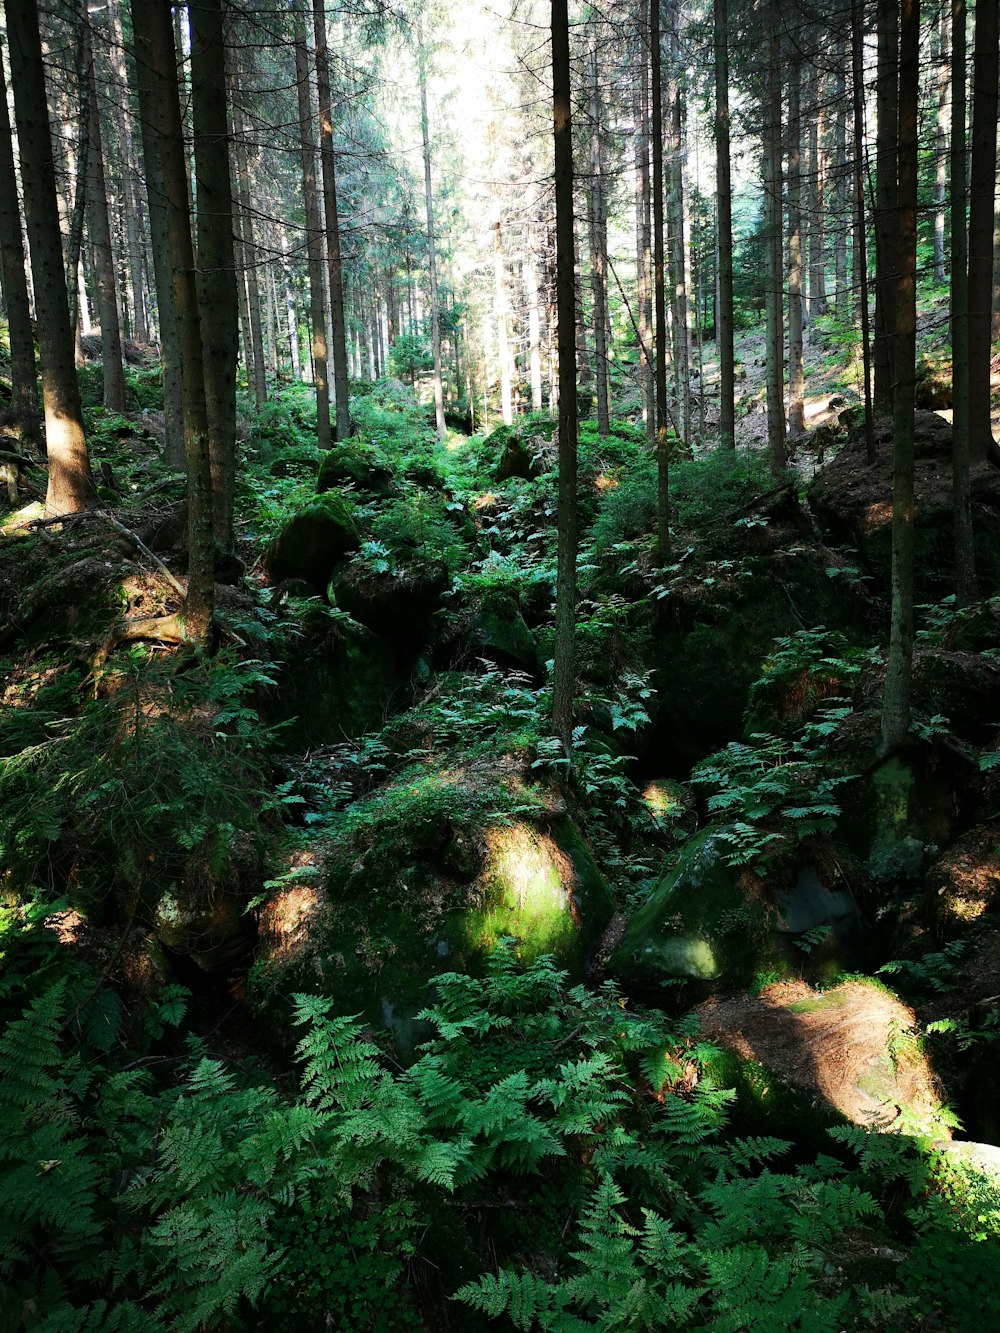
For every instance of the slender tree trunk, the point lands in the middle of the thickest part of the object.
(817, 203)
(843, 207)
(104, 260)
(131, 199)
(982, 199)
(23, 411)
(677, 254)
(335, 277)
(70, 485)
(314, 234)
(861, 266)
(724, 336)
(775, 251)
(74, 245)
(216, 257)
(159, 105)
(941, 165)
(644, 300)
(442, 430)
(564, 651)
(246, 254)
(503, 344)
(598, 248)
(885, 202)
(530, 274)
(896, 701)
(965, 566)
(659, 294)
(796, 377)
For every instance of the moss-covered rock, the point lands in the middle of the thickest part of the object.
(964, 687)
(314, 541)
(429, 879)
(398, 603)
(490, 626)
(709, 922)
(354, 463)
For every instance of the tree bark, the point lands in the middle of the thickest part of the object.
(677, 249)
(887, 99)
(659, 293)
(817, 203)
(216, 256)
(70, 484)
(965, 568)
(941, 165)
(159, 105)
(796, 377)
(724, 335)
(774, 332)
(598, 247)
(858, 94)
(644, 299)
(442, 430)
(245, 251)
(338, 328)
(564, 651)
(104, 258)
(314, 234)
(899, 668)
(982, 196)
(23, 412)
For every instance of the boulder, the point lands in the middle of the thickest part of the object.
(491, 626)
(208, 926)
(397, 603)
(314, 541)
(709, 922)
(962, 686)
(353, 463)
(429, 879)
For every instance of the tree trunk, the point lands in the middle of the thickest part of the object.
(70, 485)
(817, 203)
(314, 234)
(644, 299)
(335, 277)
(246, 257)
(442, 430)
(899, 668)
(885, 202)
(503, 344)
(941, 165)
(598, 247)
(659, 293)
(159, 104)
(23, 411)
(564, 649)
(796, 377)
(982, 187)
(677, 253)
(724, 337)
(775, 251)
(965, 567)
(843, 207)
(104, 259)
(216, 257)
(861, 266)
(530, 275)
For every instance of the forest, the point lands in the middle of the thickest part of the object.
(499, 666)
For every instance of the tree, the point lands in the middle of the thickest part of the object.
(442, 430)
(774, 334)
(899, 668)
(724, 190)
(71, 484)
(23, 412)
(982, 197)
(659, 294)
(564, 652)
(965, 573)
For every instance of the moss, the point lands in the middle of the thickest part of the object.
(314, 541)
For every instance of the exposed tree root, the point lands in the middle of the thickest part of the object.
(170, 629)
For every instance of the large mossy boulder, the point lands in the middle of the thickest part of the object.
(489, 626)
(357, 464)
(428, 878)
(711, 923)
(852, 499)
(398, 603)
(314, 541)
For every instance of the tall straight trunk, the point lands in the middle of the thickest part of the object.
(442, 430)
(724, 335)
(982, 198)
(598, 248)
(861, 266)
(678, 250)
(104, 261)
(774, 333)
(74, 245)
(159, 105)
(885, 202)
(291, 314)
(503, 335)
(216, 256)
(817, 183)
(530, 275)
(246, 258)
(965, 566)
(335, 275)
(70, 485)
(843, 207)
(941, 146)
(659, 293)
(314, 233)
(131, 195)
(23, 411)
(899, 668)
(564, 650)
(644, 299)
(796, 376)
